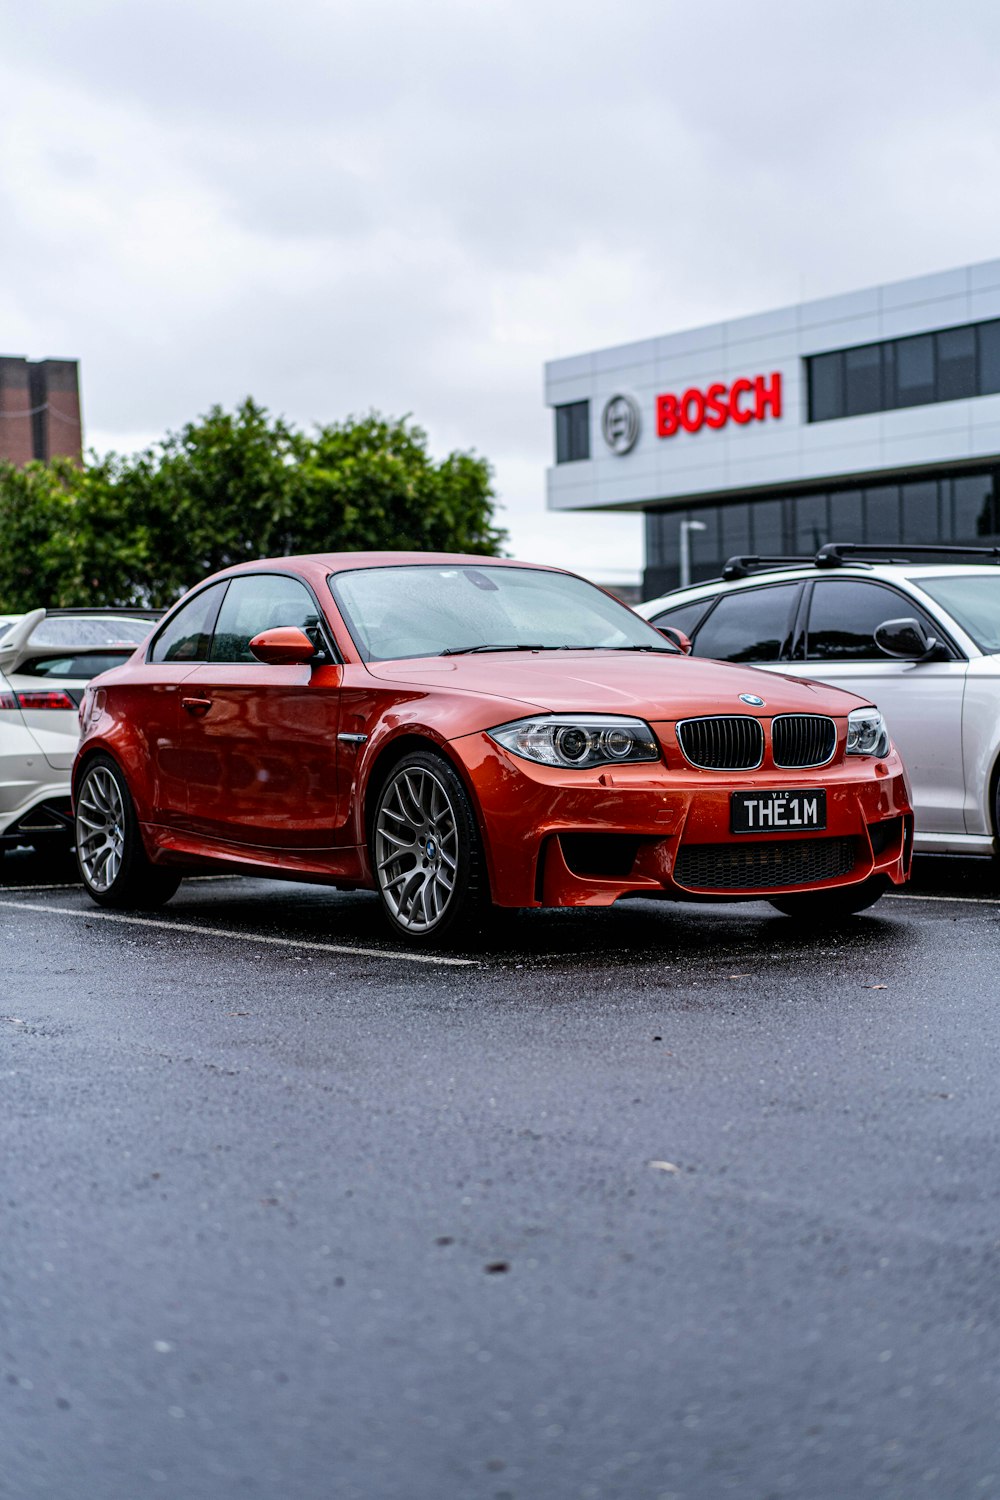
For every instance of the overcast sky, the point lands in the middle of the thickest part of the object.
(410, 207)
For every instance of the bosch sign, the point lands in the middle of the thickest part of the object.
(743, 401)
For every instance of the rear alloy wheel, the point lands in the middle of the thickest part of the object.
(426, 850)
(114, 865)
(818, 907)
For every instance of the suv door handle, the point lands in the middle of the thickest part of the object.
(197, 706)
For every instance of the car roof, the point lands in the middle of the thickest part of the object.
(343, 562)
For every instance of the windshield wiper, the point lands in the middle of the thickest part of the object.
(468, 650)
(670, 650)
(657, 650)
(664, 650)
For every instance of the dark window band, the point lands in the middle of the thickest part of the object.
(949, 365)
(572, 432)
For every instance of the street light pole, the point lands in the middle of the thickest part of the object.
(685, 548)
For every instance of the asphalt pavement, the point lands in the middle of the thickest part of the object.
(658, 1201)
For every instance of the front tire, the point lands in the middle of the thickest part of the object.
(426, 851)
(832, 905)
(114, 866)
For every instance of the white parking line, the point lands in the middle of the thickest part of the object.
(72, 885)
(92, 914)
(968, 900)
(77, 885)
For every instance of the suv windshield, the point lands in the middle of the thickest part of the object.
(430, 609)
(974, 601)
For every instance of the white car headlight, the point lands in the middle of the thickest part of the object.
(866, 732)
(578, 740)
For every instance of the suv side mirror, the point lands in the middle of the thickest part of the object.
(907, 640)
(679, 639)
(284, 646)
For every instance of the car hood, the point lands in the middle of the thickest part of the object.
(648, 685)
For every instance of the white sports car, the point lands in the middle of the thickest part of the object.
(47, 658)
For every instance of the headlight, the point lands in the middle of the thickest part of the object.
(578, 740)
(866, 732)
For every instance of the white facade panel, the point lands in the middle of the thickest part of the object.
(984, 276)
(925, 317)
(847, 307)
(923, 289)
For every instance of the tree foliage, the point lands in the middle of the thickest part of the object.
(141, 529)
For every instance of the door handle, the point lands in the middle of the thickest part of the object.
(197, 706)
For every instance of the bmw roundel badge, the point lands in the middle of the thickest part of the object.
(752, 699)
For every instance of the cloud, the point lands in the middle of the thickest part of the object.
(338, 207)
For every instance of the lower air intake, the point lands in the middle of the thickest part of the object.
(765, 866)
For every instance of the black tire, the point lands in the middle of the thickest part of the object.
(818, 907)
(115, 869)
(427, 854)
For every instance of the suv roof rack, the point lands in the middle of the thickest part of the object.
(742, 567)
(835, 554)
(860, 554)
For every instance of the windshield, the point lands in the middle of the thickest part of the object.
(433, 609)
(974, 601)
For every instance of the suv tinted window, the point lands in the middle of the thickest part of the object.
(751, 625)
(186, 636)
(256, 602)
(843, 616)
(683, 616)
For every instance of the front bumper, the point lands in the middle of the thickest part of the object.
(587, 838)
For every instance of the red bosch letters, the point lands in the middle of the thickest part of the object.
(744, 401)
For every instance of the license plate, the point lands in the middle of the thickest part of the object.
(776, 812)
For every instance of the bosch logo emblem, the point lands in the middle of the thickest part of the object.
(620, 423)
(752, 699)
(743, 401)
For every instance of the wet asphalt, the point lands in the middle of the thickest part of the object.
(657, 1201)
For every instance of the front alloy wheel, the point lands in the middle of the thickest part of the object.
(426, 848)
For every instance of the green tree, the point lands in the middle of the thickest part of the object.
(141, 529)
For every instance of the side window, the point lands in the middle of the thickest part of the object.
(751, 625)
(683, 616)
(186, 636)
(843, 616)
(256, 602)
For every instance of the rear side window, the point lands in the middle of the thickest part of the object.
(752, 625)
(843, 616)
(256, 602)
(80, 667)
(186, 636)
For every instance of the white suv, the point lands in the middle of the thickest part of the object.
(920, 638)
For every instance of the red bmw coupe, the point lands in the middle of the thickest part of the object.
(457, 731)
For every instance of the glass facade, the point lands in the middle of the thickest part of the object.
(944, 507)
(950, 365)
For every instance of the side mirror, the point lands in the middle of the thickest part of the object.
(907, 640)
(679, 639)
(285, 646)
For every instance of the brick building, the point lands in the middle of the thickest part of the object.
(39, 409)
